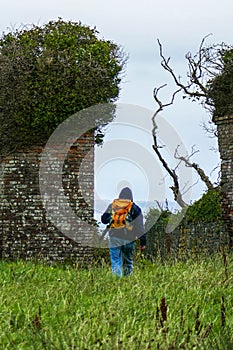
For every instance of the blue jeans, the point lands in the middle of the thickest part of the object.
(121, 255)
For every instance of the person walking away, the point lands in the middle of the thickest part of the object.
(124, 222)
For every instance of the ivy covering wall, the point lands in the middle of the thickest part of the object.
(202, 230)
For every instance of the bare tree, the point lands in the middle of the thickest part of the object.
(176, 186)
(203, 67)
(210, 83)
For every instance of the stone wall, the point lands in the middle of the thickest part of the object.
(26, 231)
(225, 142)
(201, 238)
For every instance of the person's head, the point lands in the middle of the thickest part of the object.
(126, 193)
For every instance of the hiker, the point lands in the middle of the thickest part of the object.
(124, 222)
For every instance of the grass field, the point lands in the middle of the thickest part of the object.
(184, 305)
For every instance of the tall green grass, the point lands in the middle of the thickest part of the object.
(184, 305)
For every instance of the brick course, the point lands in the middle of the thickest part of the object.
(225, 142)
(26, 231)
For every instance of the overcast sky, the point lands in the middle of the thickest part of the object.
(135, 25)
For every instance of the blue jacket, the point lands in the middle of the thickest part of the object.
(137, 232)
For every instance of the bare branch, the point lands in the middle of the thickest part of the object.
(218, 168)
(193, 66)
(210, 129)
(175, 188)
(161, 105)
(195, 166)
(160, 206)
(185, 189)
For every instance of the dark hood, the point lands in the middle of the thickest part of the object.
(126, 193)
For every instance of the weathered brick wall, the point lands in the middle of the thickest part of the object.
(225, 142)
(187, 240)
(26, 231)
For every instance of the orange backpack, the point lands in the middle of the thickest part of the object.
(121, 214)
